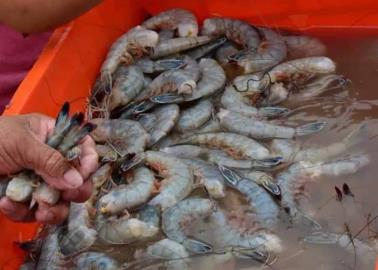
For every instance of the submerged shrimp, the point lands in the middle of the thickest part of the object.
(175, 220)
(262, 203)
(181, 19)
(177, 177)
(129, 196)
(128, 82)
(138, 39)
(208, 176)
(238, 31)
(304, 46)
(270, 52)
(257, 129)
(195, 116)
(95, 261)
(293, 179)
(291, 151)
(125, 136)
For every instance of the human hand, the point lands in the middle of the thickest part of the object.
(22, 146)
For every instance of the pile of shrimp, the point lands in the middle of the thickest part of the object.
(185, 147)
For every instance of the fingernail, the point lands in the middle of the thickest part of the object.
(73, 178)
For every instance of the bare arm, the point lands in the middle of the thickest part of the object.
(31, 16)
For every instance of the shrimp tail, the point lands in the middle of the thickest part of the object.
(63, 114)
(267, 162)
(168, 64)
(75, 136)
(143, 107)
(230, 176)
(321, 238)
(197, 246)
(274, 111)
(167, 99)
(310, 128)
(130, 161)
(306, 220)
(357, 136)
(259, 256)
(73, 153)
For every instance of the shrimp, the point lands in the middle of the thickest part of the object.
(304, 46)
(198, 53)
(262, 203)
(291, 151)
(238, 123)
(166, 34)
(176, 45)
(212, 79)
(229, 231)
(50, 257)
(195, 116)
(95, 261)
(277, 93)
(182, 81)
(270, 52)
(178, 19)
(135, 40)
(233, 100)
(263, 179)
(218, 157)
(150, 214)
(20, 188)
(181, 215)
(149, 66)
(222, 54)
(45, 193)
(177, 177)
(102, 174)
(131, 195)
(292, 180)
(208, 176)
(128, 83)
(166, 118)
(125, 230)
(125, 136)
(147, 120)
(238, 31)
(236, 145)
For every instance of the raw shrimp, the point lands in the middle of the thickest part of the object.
(236, 145)
(128, 83)
(176, 218)
(20, 188)
(166, 118)
(176, 45)
(233, 100)
(195, 116)
(292, 180)
(50, 257)
(125, 136)
(147, 120)
(198, 53)
(291, 151)
(177, 177)
(218, 157)
(150, 214)
(212, 79)
(269, 53)
(166, 34)
(304, 46)
(45, 193)
(149, 66)
(129, 196)
(276, 94)
(125, 230)
(238, 31)
(257, 129)
(136, 39)
(262, 203)
(181, 19)
(182, 81)
(101, 175)
(222, 54)
(95, 261)
(230, 232)
(263, 179)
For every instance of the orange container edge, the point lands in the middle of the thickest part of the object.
(69, 63)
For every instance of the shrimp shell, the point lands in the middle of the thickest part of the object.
(238, 31)
(50, 257)
(95, 261)
(181, 19)
(130, 196)
(126, 136)
(20, 188)
(195, 116)
(198, 53)
(128, 83)
(304, 46)
(46, 194)
(223, 53)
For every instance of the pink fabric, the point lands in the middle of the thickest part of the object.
(17, 56)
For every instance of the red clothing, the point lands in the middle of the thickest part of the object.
(17, 56)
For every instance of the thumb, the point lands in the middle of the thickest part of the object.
(51, 165)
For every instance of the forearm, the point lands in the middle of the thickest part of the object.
(30, 16)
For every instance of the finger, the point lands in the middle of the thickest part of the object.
(52, 214)
(88, 158)
(79, 195)
(16, 211)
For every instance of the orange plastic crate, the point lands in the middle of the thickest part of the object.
(69, 64)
